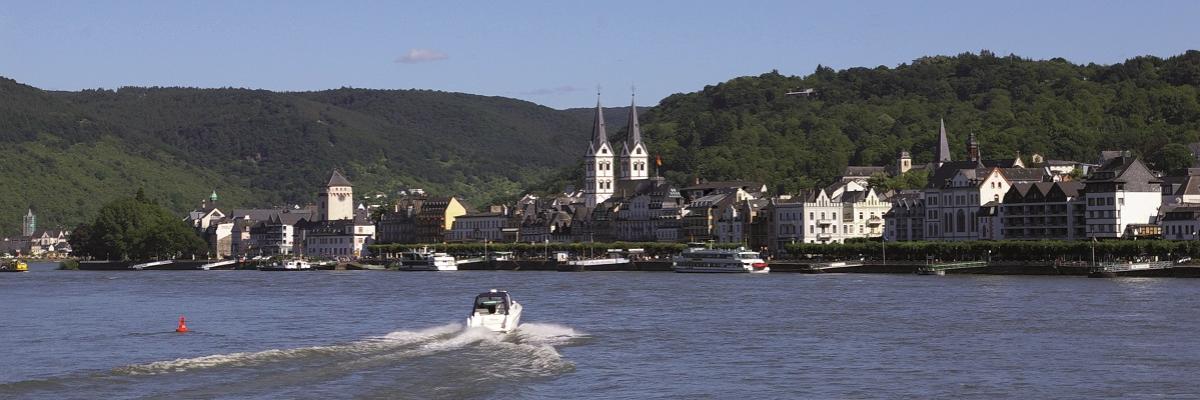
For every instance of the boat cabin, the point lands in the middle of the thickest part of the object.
(492, 303)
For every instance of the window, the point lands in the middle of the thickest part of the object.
(1121, 201)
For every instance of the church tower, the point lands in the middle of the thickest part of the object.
(635, 159)
(972, 148)
(943, 150)
(598, 162)
(336, 200)
(29, 224)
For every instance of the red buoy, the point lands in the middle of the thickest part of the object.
(182, 326)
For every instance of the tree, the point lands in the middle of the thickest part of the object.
(1173, 159)
(136, 229)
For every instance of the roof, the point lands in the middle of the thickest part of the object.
(1127, 170)
(726, 185)
(1023, 174)
(599, 136)
(635, 129)
(866, 171)
(943, 151)
(338, 180)
(947, 171)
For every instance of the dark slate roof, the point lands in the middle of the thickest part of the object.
(1023, 174)
(1182, 185)
(1127, 170)
(338, 180)
(634, 135)
(853, 196)
(943, 174)
(599, 136)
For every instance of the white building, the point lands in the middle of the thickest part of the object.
(336, 199)
(598, 177)
(1121, 192)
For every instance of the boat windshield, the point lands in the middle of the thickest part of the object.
(747, 256)
(491, 305)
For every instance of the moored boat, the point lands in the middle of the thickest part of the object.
(14, 266)
(496, 311)
(294, 264)
(716, 260)
(424, 260)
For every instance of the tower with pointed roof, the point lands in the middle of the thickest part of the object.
(598, 163)
(972, 148)
(943, 150)
(635, 158)
(29, 224)
(336, 199)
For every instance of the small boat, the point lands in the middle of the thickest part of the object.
(496, 311)
(715, 260)
(287, 265)
(14, 266)
(425, 260)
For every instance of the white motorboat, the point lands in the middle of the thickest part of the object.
(714, 260)
(496, 311)
(425, 261)
(294, 264)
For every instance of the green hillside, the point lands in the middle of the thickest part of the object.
(67, 153)
(747, 128)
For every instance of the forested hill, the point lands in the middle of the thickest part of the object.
(67, 153)
(747, 128)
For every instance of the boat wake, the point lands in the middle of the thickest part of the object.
(437, 361)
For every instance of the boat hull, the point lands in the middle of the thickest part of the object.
(498, 323)
(721, 270)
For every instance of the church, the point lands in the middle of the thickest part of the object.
(602, 176)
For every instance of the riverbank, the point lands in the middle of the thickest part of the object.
(659, 265)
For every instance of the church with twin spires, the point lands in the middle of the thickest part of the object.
(604, 168)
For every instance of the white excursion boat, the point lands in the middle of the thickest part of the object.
(425, 261)
(294, 264)
(713, 260)
(494, 310)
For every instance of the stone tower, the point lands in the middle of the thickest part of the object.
(598, 163)
(905, 163)
(336, 200)
(29, 224)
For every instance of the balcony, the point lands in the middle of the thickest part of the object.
(874, 221)
(824, 222)
(824, 237)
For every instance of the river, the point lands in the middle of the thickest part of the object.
(616, 335)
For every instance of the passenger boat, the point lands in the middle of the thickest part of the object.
(294, 264)
(425, 261)
(714, 260)
(496, 311)
(14, 266)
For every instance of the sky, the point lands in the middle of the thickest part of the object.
(555, 53)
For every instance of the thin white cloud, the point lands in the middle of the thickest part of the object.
(421, 55)
(552, 91)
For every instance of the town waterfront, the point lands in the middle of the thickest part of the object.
(371, 334)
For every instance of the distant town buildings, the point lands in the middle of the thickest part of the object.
(622, 199)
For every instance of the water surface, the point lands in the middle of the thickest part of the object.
(379, 334)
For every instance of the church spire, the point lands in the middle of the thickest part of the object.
(943, 152)
(599, 136)
(635, 129)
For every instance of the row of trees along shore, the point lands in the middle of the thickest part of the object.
(999, 250)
